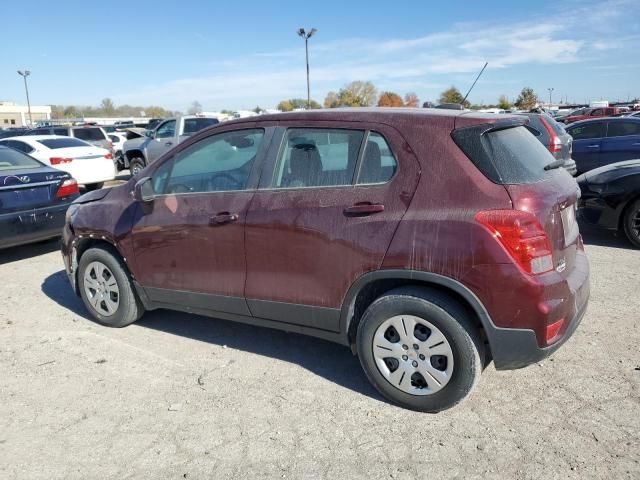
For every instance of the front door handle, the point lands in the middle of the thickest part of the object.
(593, 146)
(363, 209)
(223, 218)
(168, 144)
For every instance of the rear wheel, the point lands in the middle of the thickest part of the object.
(420, 349)
(136, 165)
(94, 186)
(631, 223)
(106, 289)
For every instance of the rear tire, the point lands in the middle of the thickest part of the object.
(136, 165)
(106, 289)
(456, 348)
(94, 186)
(631, 223)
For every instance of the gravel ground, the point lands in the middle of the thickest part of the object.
(182, 396)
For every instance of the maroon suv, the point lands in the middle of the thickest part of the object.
(431, 242)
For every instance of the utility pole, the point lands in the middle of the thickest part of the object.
(24, 75)
(307, 36)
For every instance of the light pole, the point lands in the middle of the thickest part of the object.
(550, 91)
(24, 75)
(307, 36)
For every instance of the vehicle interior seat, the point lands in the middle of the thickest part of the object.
(371, 171)
(305, 166)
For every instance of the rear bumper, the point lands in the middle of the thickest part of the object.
(521, 308)
(19, 228)
(513, 348)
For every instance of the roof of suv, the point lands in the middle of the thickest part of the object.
(377, 114)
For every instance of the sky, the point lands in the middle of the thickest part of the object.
(237, 55)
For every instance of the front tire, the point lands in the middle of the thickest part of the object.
(631, 223)
(106, 289)
(135, 166)
(420, 349)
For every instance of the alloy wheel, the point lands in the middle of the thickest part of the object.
(101, 289)
(413, 355)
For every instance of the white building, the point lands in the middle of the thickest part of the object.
(12, 115)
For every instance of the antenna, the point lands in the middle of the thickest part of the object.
(474, 82)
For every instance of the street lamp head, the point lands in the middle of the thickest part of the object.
(311, 33)
(301, 32)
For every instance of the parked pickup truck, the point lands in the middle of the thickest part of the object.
(139, 152)
(586, 113)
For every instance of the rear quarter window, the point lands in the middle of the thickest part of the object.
(507, 156)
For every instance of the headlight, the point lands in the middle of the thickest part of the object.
(71, 214)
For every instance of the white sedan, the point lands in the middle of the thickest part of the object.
(91, 166)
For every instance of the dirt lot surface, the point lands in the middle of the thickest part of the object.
(181, 396)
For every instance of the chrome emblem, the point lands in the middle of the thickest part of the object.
(562, 264)
(24, 179)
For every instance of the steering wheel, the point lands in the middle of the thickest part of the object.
(224, 175)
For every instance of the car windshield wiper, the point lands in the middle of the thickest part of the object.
(554, 164)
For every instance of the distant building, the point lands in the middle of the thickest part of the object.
(12, 115)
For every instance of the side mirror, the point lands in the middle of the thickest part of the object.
(143, 191)
(149, 133)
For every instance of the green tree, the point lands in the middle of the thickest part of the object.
(354, 94)
(71, 112)
(296, 104)
(154, 111)
(257, 109)
(390, 99)
(331, 100)
(504, 103)
(195, 108)
(285, 106)
(107, 107)
(527, 99)
(453, 95)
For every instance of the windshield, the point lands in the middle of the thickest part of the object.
(11, 159)
(89, 134)
(507, 156)
(55, 143)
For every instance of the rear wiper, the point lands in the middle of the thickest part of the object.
(554, 164)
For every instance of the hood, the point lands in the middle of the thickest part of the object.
(134, 143)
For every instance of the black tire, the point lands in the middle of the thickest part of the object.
(136, 165)
(94, 186)
(631, 223)
(455, 324)
(129, 307)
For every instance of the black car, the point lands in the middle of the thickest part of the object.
(553, 136)
(611, 198)
(33, 199)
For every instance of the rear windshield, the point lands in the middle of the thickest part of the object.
(11, 159)
(508, 156)
(192, 125)
(89, 134)
(55, 143)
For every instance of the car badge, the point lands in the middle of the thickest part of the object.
(562, 264)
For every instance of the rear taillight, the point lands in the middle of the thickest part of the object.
(59, 160)
(521, 234)
(555, 144)
(68, 187)
(108, 156)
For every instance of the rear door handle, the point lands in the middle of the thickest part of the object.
(363, 209)
(223, 218)
(168, 144)
(593, 146)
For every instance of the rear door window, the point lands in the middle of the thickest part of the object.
(21, 146)
(89, 134)
(61, 131)
(588, 130)
(193, 125)
(507, 156)
(317, 157)
(622, 129)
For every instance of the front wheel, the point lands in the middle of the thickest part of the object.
(632, 223)
(420, 349)
(106, 289)
(136, 165)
